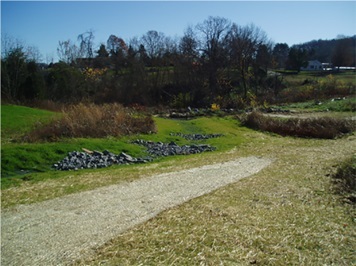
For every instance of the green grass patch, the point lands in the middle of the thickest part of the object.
(24, 158)
(18, 120)
(343, 105)
(21, 187)
(23, 162)
(298, 79)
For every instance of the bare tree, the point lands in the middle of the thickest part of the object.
(33, 54)
(154, 44)
(67, 51)
(244, 42)
(116, 45)
(49, 58)
(86, 40)
(188, 45)
(213, 33)
(9, 43)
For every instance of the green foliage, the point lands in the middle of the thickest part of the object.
(13, 74)
(66, 82)
(297, 58)
(182, 100)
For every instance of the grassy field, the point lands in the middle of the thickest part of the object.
(285, 215)
(298, 79)
(328, 105)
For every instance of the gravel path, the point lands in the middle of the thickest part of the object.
(59, 231)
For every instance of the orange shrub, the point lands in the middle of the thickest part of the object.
(90, 120)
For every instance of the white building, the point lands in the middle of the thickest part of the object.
(313, 65)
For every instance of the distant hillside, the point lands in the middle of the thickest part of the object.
(327, 50)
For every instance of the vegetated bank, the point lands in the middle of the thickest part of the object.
(31, 155)
(314, 127)
(344, 180)
(93, 121)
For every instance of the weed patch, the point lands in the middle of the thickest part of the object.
(317, 127)
(344, 180)
(93, 121)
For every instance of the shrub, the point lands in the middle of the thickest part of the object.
(344, 179)
(90, 120)
(321, 127)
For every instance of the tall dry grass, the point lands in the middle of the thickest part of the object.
(91, 120)
(317, 127)
(344, 180)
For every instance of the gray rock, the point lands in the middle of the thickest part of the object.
(81, 160)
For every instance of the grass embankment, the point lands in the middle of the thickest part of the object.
(92, 121)
(284, 215)
(28, 163)
(22, 123)
(18, 120)
(316, 127)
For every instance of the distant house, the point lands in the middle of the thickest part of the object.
(313, 65)
(327, 66)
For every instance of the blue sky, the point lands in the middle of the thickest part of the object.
(42, 24)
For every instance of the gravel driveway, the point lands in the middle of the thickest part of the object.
(62, 230)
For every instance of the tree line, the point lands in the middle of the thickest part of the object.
(215, 61)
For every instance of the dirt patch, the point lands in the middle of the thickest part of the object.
(62, 230)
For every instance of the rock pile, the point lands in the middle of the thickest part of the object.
(94, 159)
(81, 160)
(196, 136)
(157, 149)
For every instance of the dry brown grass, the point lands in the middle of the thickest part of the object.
(90, 120)
(284, 215)
(344, 180)
(314, 127)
